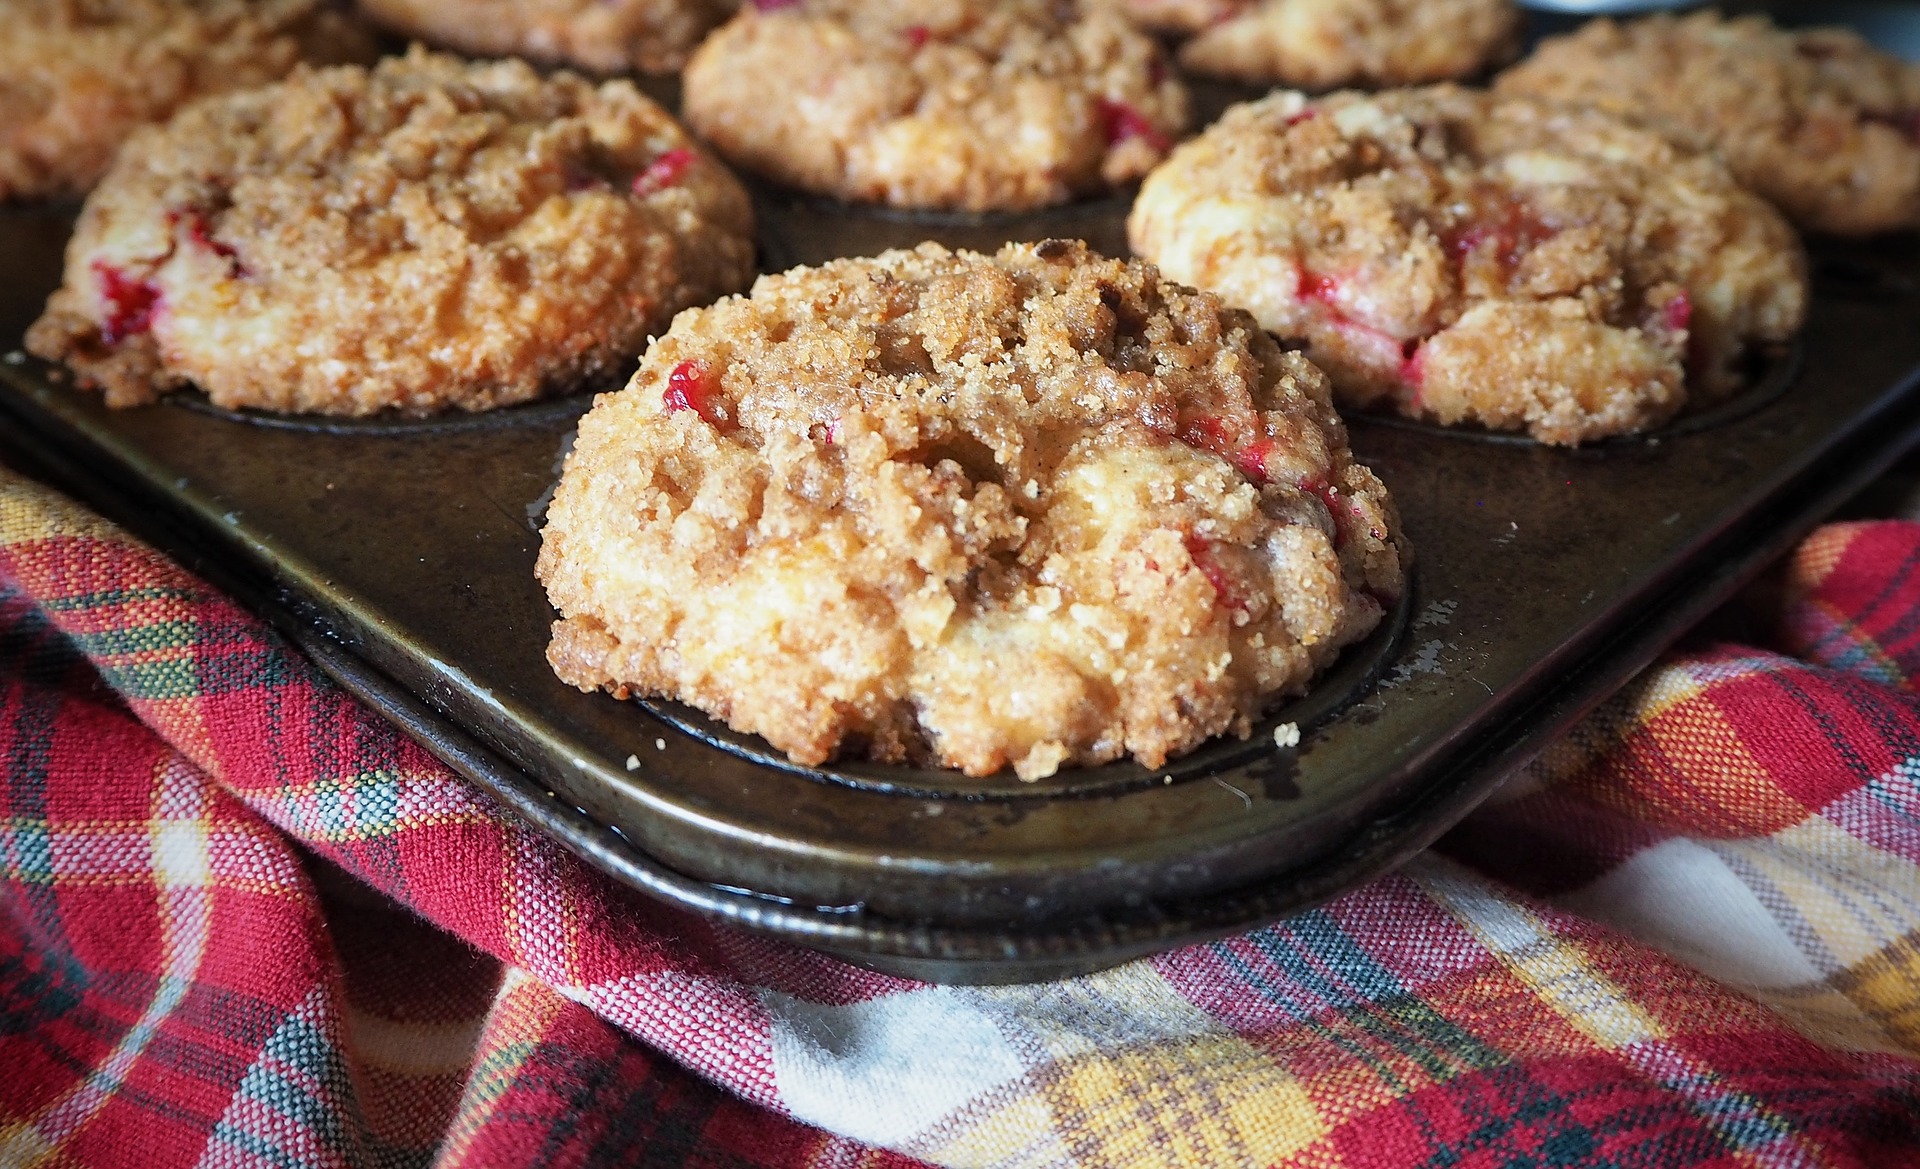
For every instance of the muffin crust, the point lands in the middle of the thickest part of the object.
(599, 36)
(78, 76)
(955, 104)
(1462, 257)
(1817, 120)
(426, 235)
(1029, 510)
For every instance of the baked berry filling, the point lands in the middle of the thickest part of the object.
(1216, 436)
(691, 385)
(1404, 356)
(131, 303)
(1225, 589)
(1122, 123)
(1678, 312)
(663, 172)
(1498, 225)
(1252, 458)
(200, 233)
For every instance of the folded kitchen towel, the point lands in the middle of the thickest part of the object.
(248, 923)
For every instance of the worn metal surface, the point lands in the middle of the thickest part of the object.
(401, 555)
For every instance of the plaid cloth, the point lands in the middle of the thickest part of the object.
(246, 923)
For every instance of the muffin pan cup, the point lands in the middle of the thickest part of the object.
(399, 554)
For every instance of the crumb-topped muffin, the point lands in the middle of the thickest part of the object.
(1320, 44)
(957, 104)
(602, 36)
(1033, 509)
(1462, 257)
(1817, 120)
(425, 235)
(77, 76)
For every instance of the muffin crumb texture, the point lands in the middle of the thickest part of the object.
(1462, 257)
(600, 36)
(1320, 44)
(426, 235)
(1031, 510)
(78, 76)
(955, 104)
(1817, 120)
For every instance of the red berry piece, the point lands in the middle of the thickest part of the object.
(1324, 290)
(1251, 460)
(1306, 115)
(1413, 363)
(1213, 435)
(693, 386)
(1122, 122)
(1207, 433)
(917, 37)
(131, 303)
(200, 232)
(663, 172)
(1314, 286)
(1225, 591)
(1324, 491)
(1678, 312)
(1503, 223)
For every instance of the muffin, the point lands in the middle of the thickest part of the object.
(78, 76)
(599, 36)
(1817, 120)
(953, 104)
(1033, 509)
(429, 234)
(1462, 257)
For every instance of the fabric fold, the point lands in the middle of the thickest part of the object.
(1686, 936)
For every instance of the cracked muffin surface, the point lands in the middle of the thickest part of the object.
(426, 235)
(1031, 510)
(1817, 120)
(955, 104)
(1320, 44)
(78, 76)
(601, 36)
(1462, 257)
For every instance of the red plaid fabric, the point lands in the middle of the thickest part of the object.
(248, 923)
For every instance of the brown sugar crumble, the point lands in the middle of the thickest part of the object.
(1032, 510)
(425, 235)
(1462, 257)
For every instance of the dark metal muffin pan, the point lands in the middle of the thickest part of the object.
(400, 555)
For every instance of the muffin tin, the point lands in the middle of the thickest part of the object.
(400, 555)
